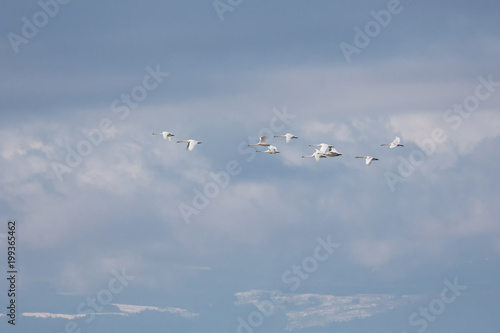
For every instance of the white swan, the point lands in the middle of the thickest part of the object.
(270, 150)
(288, 137)
(332, 152)
(190, 143)
(317, 155)
(262, 142)
(166, 135)
(368, 159)
(324, 147)
(393, 144)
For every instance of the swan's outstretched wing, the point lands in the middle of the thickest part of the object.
(289, 136)
(192, 144)
(395, 143)
(273, 149)
(324, 147)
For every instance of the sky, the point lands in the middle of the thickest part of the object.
(119, 230)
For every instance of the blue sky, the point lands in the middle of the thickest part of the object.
(101, 203)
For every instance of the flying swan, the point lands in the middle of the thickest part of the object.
(317, 155)
(368, 159)
(166, 135)
(288, 137)
(324, 147)
(270, 150)
(190, 143)
(332, 152)
(262, 142)
(393, 144)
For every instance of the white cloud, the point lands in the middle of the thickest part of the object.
(249, 297)
(259, 207)
(320, 310)
(124, 310)
(291, 155)
(134, 309)
(117, 170)
(309, 310)
(314, 128)
(19, 143)
(45, 315)
(331, 132)
(418, 128)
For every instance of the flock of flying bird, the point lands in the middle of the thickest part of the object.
(324, 151)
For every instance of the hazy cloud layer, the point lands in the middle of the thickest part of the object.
(94, 192)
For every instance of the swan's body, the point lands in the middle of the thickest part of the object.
(393, 144)
(332, 152)
(190, 143)
(368, 159)
(287, 136)
(262, 142)
(166, 135)
(324, 147)
(317, 155)
(270, 150)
